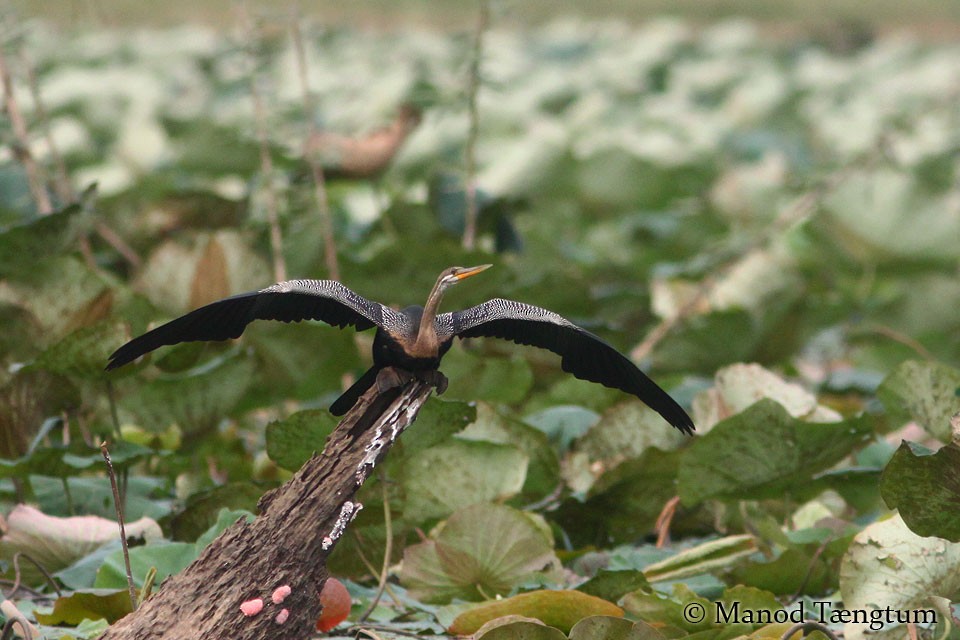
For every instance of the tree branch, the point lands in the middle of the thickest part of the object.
(288, 544)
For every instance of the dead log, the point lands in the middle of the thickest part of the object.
(288, 543)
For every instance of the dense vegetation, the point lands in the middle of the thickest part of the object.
(771, 229)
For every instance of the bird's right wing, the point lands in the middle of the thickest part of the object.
(583, 354)
(290, 301)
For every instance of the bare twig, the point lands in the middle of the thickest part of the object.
(373, 570)
(114, 416)
(810, 567)
(33, 593)
(368, 630)
(119, 245)
(903, 339)
(662, 526)
(123, 533)
(316, 170)
(40, 567)
(61, 181)
(21, 145)
(470, 160)
(266, 161)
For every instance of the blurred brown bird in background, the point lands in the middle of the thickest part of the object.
(366, 157)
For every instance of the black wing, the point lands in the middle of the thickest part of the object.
(583, 354)
(291, 301)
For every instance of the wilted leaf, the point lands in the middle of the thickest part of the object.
(923, 391)
(762, 452)
(887, 553)
(169, 277)
(480, 549)
(211, 281)
(439, 480)
(291, 441)
(57, 543)
(560, 609)
(93, 604)
(925, 488)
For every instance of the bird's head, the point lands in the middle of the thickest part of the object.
(453, 275)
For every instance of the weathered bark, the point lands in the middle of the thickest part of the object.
(288, 543)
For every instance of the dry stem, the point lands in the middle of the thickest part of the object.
(470, 160)
(21, 146)
(266, 161)
(316, 170)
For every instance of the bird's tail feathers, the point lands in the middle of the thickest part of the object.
(349, 397)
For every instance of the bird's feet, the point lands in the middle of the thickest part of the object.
(435, 379)
(390, 377)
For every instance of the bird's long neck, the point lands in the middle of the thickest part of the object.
(426, 342)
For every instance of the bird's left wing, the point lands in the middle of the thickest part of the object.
(290, 301)
(583, 354)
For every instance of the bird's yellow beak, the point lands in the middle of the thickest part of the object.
(466, 272)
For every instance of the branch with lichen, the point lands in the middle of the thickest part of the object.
(262, 579)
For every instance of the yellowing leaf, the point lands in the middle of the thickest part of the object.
(560, 609)
(92, 604)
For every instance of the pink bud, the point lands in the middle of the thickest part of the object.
(282, 616)
(252, 607)
(280, 594)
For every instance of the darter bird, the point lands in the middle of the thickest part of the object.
(413, 339)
